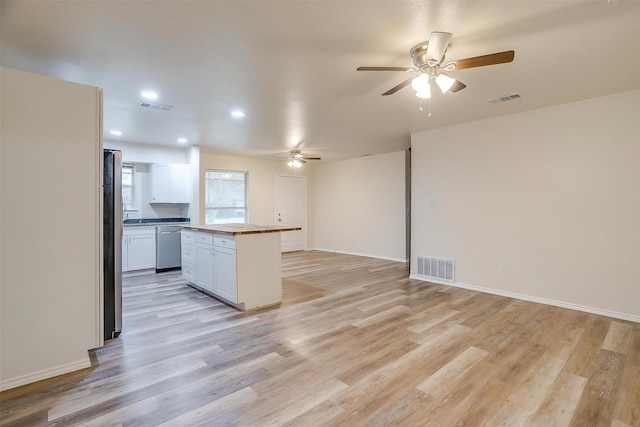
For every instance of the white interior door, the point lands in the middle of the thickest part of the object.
(291, 210)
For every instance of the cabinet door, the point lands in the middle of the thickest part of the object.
(160, 183)
(225, 274)
(125, 253)
(142, 251)
(180, 183)
(204, 267)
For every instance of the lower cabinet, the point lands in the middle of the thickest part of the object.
(125, 252)
(209, 261)
(188, 240)
(138, 248)
(242, 270)
(225, 273)
(204, 266)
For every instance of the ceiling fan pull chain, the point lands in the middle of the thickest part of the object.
(429, 115)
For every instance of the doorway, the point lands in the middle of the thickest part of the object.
(291, 210)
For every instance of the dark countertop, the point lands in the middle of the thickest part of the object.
(155, 221)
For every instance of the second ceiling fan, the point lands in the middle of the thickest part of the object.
(428, 58)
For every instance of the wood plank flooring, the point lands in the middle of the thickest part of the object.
(355, 342)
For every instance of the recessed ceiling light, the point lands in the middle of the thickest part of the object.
(147, 94)
(182, 140)
(116, 132)
(237, 114)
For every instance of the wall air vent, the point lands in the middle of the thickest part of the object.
(153, 106)
(504, 98)
(436, 268)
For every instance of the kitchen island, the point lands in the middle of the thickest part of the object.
(236, 263)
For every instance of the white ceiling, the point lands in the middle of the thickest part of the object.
(291, 65)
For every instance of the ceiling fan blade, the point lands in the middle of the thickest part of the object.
(438, 43)
(457, 85)
(481, 61)
(405, 69)
(398, 87)
(313, 158)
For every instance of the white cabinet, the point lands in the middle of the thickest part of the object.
(243, 269)
(180, 183)
(170, 183)
(212, 259)
(160, 183)
(125, 252)
(188, 240)
(138, 248)
(225, 282)
(204, 263)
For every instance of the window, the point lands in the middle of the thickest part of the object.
(225, 197)
(127, 187)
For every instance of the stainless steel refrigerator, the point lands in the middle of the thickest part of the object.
(112, 238)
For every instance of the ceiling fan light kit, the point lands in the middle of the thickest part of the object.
(297, 159)
(428, 59)
(422, 86)
(445, 82)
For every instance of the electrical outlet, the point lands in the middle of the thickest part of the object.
(503, 270)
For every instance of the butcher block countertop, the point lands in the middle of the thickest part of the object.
(238, 229)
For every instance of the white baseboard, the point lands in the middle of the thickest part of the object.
(45, 374)
(358, 254)
(563, 304)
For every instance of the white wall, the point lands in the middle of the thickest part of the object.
(359, 206)
(50, 160)
(261, 185)
(553, 195)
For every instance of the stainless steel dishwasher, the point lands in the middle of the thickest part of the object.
(168, 255)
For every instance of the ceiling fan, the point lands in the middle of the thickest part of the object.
(428, 58)
(297, 159)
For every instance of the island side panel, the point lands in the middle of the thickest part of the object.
(259, 269)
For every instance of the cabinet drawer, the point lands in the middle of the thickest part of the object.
(224, 241)
(188, 253)
(188, 237)
(137, 231)
(188, 271)
(206, 238)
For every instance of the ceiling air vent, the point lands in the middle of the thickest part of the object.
(504, 98)
(151, 105)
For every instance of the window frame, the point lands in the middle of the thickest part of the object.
(245, 206)
(132, 168)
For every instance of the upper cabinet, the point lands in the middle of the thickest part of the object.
(180, 183)
(170, 183)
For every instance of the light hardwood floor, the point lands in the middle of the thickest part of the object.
(355, 342)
